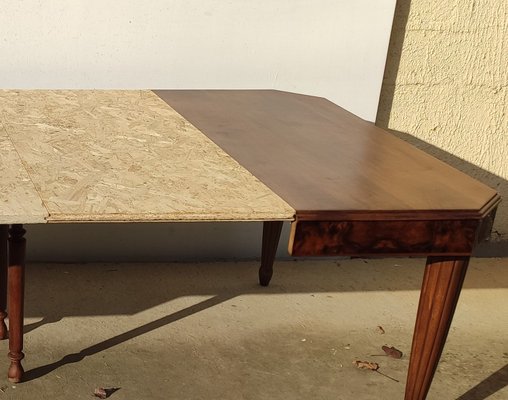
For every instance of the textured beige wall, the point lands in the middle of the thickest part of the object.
(446, 87)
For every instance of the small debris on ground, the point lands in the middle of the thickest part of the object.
(392, 352)
(100, 393)
(389, 352)
(304, 340)
(371, 366)
(366, 365)
(380, 330)
(103, 393)
(347, 346)
(3, 389)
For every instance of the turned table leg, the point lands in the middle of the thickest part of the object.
(3, 279)
(16, 277)
(271, 235)
(441, 287)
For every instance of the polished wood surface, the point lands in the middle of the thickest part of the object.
(16, 293)
(390, 237)
(4, 259)
(271, 235)
(357, 238)
(326, 162)
(441, 287)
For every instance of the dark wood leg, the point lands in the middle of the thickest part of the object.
(441, 287)
(271, 235)
(16, 290)
(3, 279)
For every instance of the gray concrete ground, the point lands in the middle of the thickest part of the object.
(208, 331)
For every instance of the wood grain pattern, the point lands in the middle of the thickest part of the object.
(355, 238)
(127, 156)
(485, 228)
(271, 235)
(4, 260)
(323, 160)
(16, 293)
(441, 287)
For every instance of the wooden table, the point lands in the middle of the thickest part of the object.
(348, 187)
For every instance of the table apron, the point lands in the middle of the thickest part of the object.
(405, 237)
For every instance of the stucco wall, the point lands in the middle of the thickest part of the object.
(445, 87)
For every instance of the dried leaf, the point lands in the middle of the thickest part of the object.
(372, 366)
(100, 393)
(392, 352)
(380, 330)
(366, 365)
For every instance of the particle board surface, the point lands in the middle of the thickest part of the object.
(19, 201)
(128, 156)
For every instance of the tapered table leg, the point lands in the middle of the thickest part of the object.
(3, 280)
(441, 287)
(271, 235)
(16, 289)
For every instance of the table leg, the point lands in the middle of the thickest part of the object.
(16, 277)
(3, 279)
(441, 287)
(271, 235)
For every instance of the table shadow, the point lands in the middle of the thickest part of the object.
(58, 291)
(123, 337)
(494, 383)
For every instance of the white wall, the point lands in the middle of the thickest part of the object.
(330, 48)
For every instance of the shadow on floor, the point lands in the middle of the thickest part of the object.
(57, 291)
(116, 340)
(486, 388)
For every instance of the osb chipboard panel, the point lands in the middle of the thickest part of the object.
(128, 156)
(19, 201)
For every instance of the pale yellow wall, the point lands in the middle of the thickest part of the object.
(446, 87)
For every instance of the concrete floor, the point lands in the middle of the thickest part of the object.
(208, 331)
